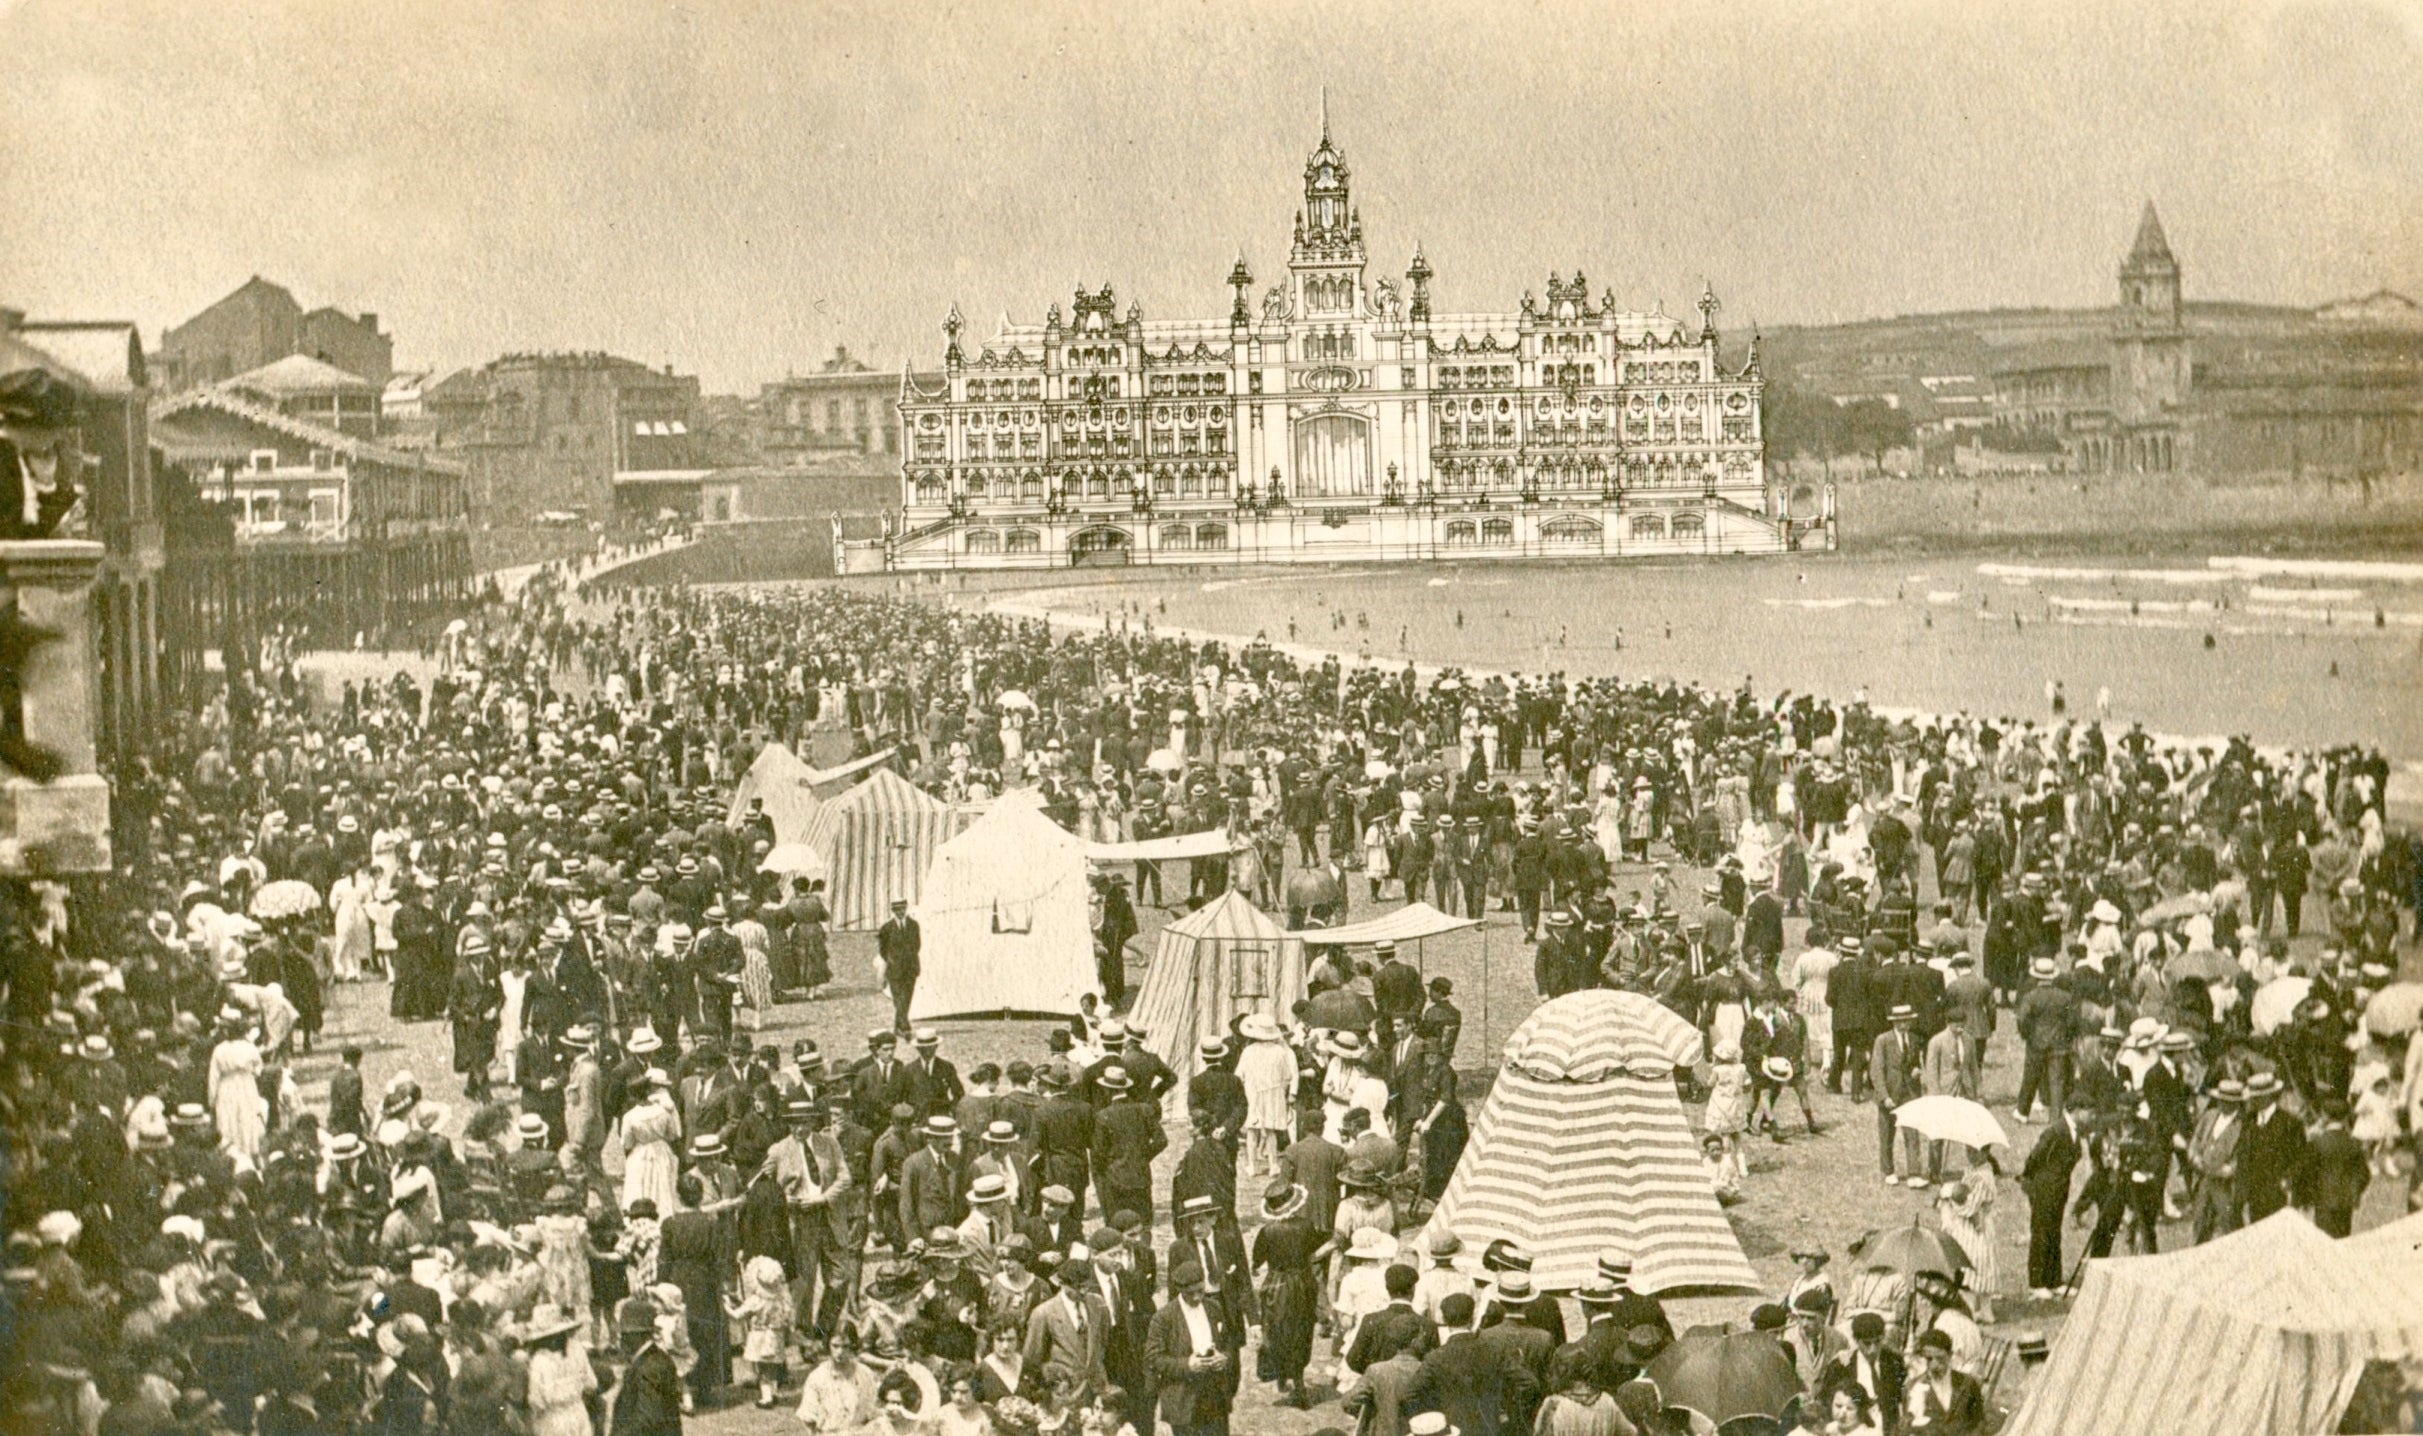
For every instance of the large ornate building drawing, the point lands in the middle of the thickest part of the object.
(1337, 418)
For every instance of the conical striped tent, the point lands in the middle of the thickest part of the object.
(1218, 963)
(1582, 1147)
(788, 787)
(877, 841)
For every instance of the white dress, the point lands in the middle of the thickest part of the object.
(349, 899)
(649, 1166)
(559, 1383)
(516, 985)
(235, 1097)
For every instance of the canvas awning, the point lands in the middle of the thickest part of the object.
(1410, 923)
(1177, 846)
(820, 777)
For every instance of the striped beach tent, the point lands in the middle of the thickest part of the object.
(1218, 963)
(2267, 1329)
(877, 840)
(1582, 1147)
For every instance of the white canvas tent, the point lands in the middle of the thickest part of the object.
(877, 840)
(1582, 1146)
(788, 787)
(2267, 1329)
(1218, 963)
(1006, 918)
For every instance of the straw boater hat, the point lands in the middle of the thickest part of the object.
(1259, 1027)
(988, 1189)
(1283, 1199)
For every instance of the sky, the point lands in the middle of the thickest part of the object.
(736, 187)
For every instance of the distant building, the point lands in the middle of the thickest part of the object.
(2336, 392)
(400, 399)
(259, 324)
(549, 433)
(335, 532)
(301, 387)
(2381, 309)
(1338, 419)
(844, 407)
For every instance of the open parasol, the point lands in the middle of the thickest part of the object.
(1726, 1375)
(1341, 1009)
(1162, 760)
(2394, 1009)
(2172, 909)
(1311, 888)
(1012, 698)
(1951, 1119)
(1909, 1250)
(2276, 1002)
(287, 897)
(795, 860)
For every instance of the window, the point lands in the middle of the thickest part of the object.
(323, 460)
(1570, 530)
(832, 416)
(264, 460)
(1023, 541)
(1211, 536)
(983, 541)
(1462, 533)
(929, 490)
(1177, 536)
(1648, 526)
(1497, 533)
(1690, 525)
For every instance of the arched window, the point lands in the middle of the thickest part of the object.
(1333, 456)
(1030, 488)
(929, 489)
(1648, 526)
(1570, 530)
(1211, 536)
(1690, 525)
(1097, 487)
(1462, 533)
(1023, 541)
(983, 541)
(1177, 536)
(1497, 532)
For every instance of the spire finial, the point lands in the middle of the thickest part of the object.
(1325, 114)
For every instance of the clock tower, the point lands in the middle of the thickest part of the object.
(2154, 368)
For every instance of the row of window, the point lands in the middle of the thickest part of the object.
(1199, 537)
(1161, 386)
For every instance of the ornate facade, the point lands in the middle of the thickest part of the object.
(1336, 418)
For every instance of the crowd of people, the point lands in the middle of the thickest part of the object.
(618, 1207)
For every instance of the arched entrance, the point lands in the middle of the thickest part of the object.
(1100, 544)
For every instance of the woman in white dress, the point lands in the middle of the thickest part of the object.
(650, 1133)
(514, 981)
(1965, 1207)
(349, 904)
(382, 909)
(561, 1377)
(235, 1089)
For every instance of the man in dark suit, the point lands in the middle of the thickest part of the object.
(1207, 1169)
(901, 944)
(1214, 1246)
(1393, 1328)
(1870, 1365)
(1064, 1138)
(647, 1401)
(1068, 1337)
(2046, 1180)
(875, 1084)
(1519, 1349)
(1941, 1401)
(2275, 1148)
(1603, 1350)
(929, 1181)
(1194, 1358)
(2335, 1175)
(1471, 1380)
(1127, 1136)
(930, 1083)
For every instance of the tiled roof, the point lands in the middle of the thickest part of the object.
(218, 400)
(298, 374)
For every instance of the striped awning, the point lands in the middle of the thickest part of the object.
(1410, 923)
(1174, 848)
(1218, 963)
(1568, 1168)
(2266, 1329)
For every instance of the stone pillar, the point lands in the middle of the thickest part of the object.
(61, 826)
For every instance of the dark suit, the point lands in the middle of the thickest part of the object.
(900, 944)
(1226, 1278)
(647, 1402)
(2046, 1180)
(2333, 1181)
(1963, 1415)
(1602, 1352)
(1127, 1136)
(1477, 1387)
(2275, 1156)
(1522, 1352)
(1386, 1332)
(1194, 1403)
(934, 1089)
(1064, 1352)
